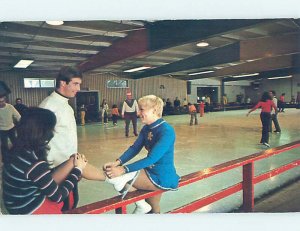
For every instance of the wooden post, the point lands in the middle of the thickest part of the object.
(121, 210)
(248, 187)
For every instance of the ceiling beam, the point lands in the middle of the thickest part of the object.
(252, 49)
(77, 29)
(162, 35)
(32, 38)
(270, 46)
(39, 56)
(226, 54)
(268, 74)
(170, 33)
(266, 64)
(134, 44)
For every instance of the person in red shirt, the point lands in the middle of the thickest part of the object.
(202, 105)
(266, 105)
(115, 114)
(281, 103)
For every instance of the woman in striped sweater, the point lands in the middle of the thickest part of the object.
(29, 186)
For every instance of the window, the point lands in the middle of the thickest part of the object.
(39, 83)
(117, 83)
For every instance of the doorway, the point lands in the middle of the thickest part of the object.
(90, 99)
(212, 92)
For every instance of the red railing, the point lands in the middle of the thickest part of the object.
(247, 185)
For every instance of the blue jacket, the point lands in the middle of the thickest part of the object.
(158, 138)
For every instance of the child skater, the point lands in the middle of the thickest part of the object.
(156, 170)
(266, 105)
(202, 105)
(115, 114)
(29, 186)
(193, 113)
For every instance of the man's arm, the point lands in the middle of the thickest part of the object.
(123, 109)
(137, 108)
(16, 115)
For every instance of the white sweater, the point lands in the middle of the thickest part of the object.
(64, 142)
(8, 115)
(275, 102)
(126, 108)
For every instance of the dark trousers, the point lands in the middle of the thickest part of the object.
(265, 118)
(194, 116)
(105, 117)
(114, 119)
(276, 124)
(4, 135)
(130, 117)
(281, 106)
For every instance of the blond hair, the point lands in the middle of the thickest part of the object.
(152, 101)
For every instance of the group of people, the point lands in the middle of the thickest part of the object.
(130, 113)
(42, 169)
(193, 111)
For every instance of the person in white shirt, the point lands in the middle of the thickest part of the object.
(274, 114)
(130, 112)
(105, 109)
(9, 116)
(64, 143)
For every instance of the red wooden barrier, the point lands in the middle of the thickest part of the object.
(247, 185)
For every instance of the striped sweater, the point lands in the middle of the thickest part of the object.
(27, 182)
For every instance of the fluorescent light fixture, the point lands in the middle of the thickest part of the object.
(245, 75)
(23, 63)
(137, 69)
(202, 44)
(218, 68)
(55, 23)
(201, 73)
(281, 77)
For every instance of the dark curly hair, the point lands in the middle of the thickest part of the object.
(34, 131)
(67, 74)
(265, 96)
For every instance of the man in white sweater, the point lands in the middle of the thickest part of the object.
(9, 116)
(130, 112)
(64, 142)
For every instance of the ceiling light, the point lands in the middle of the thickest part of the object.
(201, 73)
(281, 77)
(137, 69)
(245, 75)
(23, 63)
(202, 44)
(218, 68)
(55, 23)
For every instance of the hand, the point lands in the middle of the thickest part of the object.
(113, 172)
(80, 161)
(122, 115)
(111, 164)
(247, 114)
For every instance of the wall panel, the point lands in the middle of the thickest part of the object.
(140, 87)
(30, 97)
